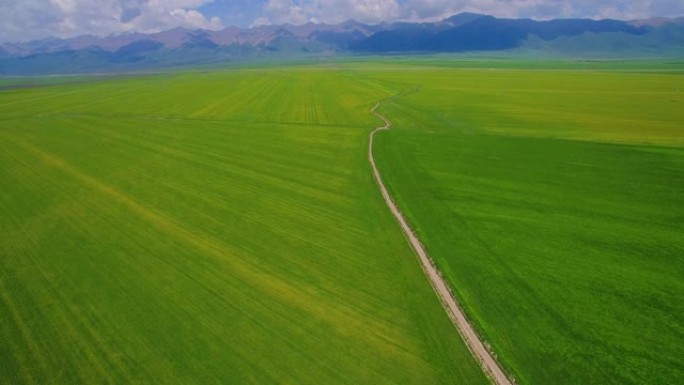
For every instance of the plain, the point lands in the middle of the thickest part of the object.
(552, 200)
(225, 226)
(208, 228)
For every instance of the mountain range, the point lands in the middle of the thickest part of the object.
(466, 32)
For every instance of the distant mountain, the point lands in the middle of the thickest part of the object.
(180, 38)
(472, 32)
(466, 32)
(657, 22)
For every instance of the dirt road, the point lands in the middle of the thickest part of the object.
(487, 361)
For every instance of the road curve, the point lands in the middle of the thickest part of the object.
(476, 346)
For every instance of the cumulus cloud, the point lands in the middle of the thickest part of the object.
(30, 19)
(331, 11)
(544, 9)
(260, 21)
(22, 20)
(158, 15)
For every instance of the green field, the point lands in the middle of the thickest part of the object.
(205, 229)
(553, 201)
(224, 227)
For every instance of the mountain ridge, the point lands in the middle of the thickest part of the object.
(465, 32)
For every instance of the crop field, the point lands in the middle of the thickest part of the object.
(553, 203)
(208, 229)
(224, 226)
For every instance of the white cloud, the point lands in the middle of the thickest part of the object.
(285, 11)
(330, 11)
(158, 15)
(333, 11)
(260, 21)
(544, 9)
(22, 20)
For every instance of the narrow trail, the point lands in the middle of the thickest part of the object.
(476, 346)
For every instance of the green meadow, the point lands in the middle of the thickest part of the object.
(208, 229)
(553, 202)
(224, 226)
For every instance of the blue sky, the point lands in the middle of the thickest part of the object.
(23, 20)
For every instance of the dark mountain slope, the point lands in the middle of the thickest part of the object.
(471, 32)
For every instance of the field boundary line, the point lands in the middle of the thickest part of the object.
(476, 346)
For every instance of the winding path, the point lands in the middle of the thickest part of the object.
(476, 346)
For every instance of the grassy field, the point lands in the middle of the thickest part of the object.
(208, 229)
(224, 227)
(553, 202)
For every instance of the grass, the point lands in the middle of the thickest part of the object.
(224, 227)
(512, 60)
(552, 201)
(208, 228)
